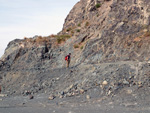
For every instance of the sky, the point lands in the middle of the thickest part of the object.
(27, 18)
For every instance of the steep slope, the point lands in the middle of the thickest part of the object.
(109, 41)
(119, 29)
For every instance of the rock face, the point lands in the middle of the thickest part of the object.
(115, 31)
(109, 41)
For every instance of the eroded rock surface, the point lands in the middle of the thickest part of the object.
(109, 41)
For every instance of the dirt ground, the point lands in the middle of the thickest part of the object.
(78, 104)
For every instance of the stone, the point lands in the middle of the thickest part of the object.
(27, 92)
(70, 112)
(82, 91)
(60, 96)
(51, 97)
(57, 78)
(62, 93)
(109, 92)
(104, 83)
(71, 86)
(31, 97)
(69, 94)
(140, 84)
(88, 97)
(129, 91)
(3, 95)
(125, 82)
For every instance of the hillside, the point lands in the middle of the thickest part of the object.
(109, 41)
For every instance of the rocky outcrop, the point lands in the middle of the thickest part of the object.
(117, 30)
(109, 42)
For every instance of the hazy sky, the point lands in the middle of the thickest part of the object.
(27, 18)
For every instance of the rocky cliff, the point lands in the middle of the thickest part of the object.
(109, 41)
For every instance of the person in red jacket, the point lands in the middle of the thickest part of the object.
(68, 59)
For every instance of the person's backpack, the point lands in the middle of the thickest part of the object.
(66, 58)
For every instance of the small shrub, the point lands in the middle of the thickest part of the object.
(25, 38)
(145, 26)
(125, 20)
(78, 30)
(147, 34)
(81, 47)
(52, 35)
(97, 15)
(28, 39)
(69, 29)
(66, 36)
(79, 25)
(41, 39)
(76, 46)
(72, 32)
(59, 40)
(62, 38)
(98, 5)
(86, 24)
